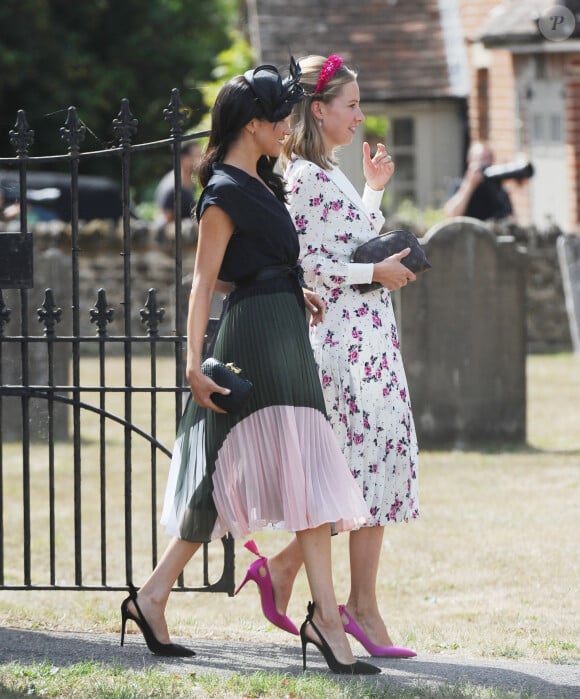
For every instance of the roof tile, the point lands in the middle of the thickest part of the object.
(397, 46)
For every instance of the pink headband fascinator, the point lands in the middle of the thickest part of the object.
(327, 72)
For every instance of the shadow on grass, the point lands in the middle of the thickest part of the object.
(6, 693)
(218, 657)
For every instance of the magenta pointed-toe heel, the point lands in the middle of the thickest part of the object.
(376, 651)
(264, 583)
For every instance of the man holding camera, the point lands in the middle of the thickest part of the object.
(479, 196)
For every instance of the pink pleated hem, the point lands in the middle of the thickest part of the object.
(281, 468)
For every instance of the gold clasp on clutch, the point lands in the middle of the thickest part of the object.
(232, 367)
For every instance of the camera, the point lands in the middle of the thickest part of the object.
(517, 170)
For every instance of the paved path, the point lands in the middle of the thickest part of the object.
(226, 657)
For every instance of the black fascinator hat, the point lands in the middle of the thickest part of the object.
(275, 96)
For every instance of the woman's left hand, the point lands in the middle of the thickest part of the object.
(378, 169)
(315, 305)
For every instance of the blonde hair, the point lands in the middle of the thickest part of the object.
(306, 140)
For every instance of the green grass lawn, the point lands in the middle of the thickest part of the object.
(490, 570)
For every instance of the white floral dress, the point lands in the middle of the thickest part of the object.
(357, 347)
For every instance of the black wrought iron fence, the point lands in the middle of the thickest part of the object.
(87, 420)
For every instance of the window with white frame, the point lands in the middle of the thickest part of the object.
(402, 148)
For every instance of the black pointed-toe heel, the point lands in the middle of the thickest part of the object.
(155, 646)
(357, 668)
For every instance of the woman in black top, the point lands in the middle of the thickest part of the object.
(276, 462)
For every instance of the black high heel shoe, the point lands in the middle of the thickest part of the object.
(357, 668)
(153, 644)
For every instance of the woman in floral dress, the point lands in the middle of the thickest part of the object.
(357, 347)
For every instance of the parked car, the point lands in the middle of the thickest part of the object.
(49, 195)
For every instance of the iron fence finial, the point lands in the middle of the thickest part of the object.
(152, 314)
(176, 113)
(101, 314)
(21, 136)
(125, 125)
(49, 313)
(73, 132)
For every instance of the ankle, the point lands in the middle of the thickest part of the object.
(327, 616)
(151, 600)
(283, 568)
(362, 609)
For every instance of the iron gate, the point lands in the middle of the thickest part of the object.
(95, 412)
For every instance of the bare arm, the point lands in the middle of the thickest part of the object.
(458, 203)
(215, 231)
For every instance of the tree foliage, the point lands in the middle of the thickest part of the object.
(93, 53)
(234, 60)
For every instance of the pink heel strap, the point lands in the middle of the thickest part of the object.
(375, 650)
(252, 546)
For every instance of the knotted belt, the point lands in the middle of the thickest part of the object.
(272, 272)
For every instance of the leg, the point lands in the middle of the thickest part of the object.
(275, 582)
(316, 550)
(365, 550)
(284, 567)
(154, 593)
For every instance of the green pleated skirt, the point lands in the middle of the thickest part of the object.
(277, 463)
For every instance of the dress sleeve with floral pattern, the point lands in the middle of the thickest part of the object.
(330, 226)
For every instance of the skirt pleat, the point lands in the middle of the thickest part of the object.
(277, 463)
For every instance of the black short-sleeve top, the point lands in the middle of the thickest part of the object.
(489, 200)
(264, 232)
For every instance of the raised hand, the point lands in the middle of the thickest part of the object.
(379, 168)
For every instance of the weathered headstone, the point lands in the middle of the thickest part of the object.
(463, 332)
(569, 259)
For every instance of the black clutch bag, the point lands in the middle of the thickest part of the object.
(228, 376)
(387, 244)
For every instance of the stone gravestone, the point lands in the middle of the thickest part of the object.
(569, 259)
(52, 270)
(463, 338)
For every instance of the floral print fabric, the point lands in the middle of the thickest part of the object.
(357, 346)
